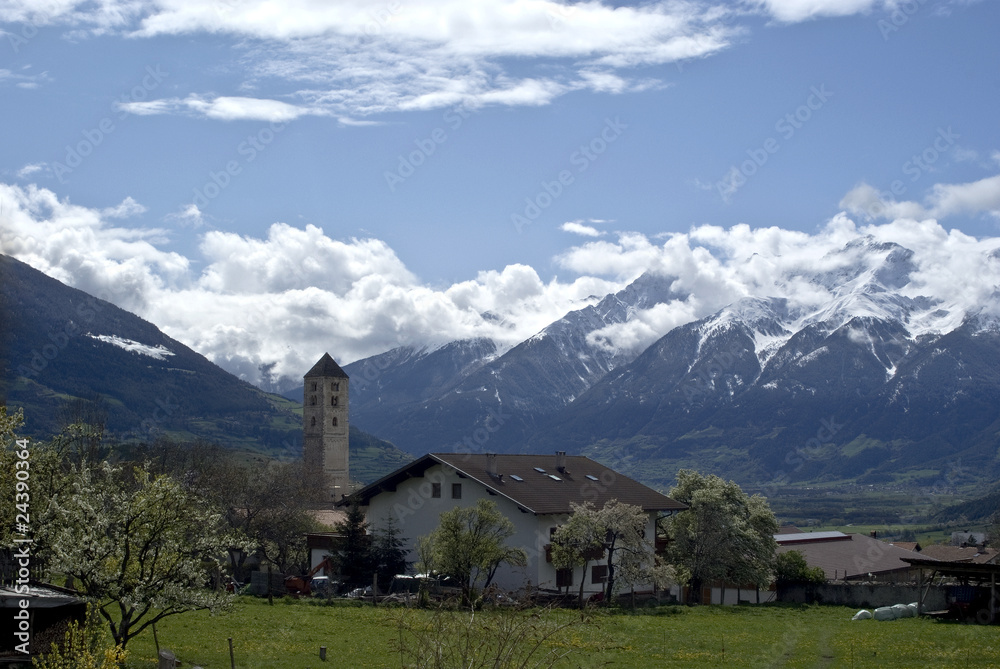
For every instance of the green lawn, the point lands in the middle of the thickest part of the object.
(290, 635)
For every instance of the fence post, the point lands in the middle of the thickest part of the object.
(167, 660)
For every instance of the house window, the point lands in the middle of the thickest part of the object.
(564, 578)
(436, 490)
(335, 386)
(335, 400)
(312, 400)
(456, 491)
(334, 421)
(599, 573)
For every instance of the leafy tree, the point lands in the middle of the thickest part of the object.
(139, 547)
(791, 567)
(388, 552)
(579, 540)
(616, 532)
(470, 544)
(724, 534)
(354, 557)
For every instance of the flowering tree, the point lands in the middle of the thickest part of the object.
(616, 533)
(724, 534)
(140, 547)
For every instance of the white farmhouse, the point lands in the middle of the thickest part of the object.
(534, 491)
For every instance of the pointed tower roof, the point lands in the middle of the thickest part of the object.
(326, 367)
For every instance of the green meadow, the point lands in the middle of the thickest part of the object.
(290, 634)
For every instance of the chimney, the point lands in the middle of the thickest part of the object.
(561, 461)
(491, 464)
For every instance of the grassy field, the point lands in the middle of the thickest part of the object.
(290, 635)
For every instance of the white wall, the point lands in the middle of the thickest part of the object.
(417, 514)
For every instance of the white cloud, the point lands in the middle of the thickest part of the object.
(222, 108)
(288, 296)
(30, 169)
(578, 228)
(354, 58)
(969, 198)
(128, 208)
(187, 216)
(282, 298)
(793, 11)
(943, 201)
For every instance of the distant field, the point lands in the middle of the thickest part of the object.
(289, 635)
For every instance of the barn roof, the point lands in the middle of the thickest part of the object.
(533, 482)
(846, 556)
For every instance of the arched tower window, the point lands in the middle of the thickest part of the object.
(334, 401)
(334, 421)
(314, 421)
(312, 400)
(335, 386)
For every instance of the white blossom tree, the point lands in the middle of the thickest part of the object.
(617, 533)
(140, 547)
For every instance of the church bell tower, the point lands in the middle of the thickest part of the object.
(325, 426)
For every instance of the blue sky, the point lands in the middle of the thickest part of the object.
(507, 156)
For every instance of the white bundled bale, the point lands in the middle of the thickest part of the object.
(862, 615)
(885, 613)
(913, 607)
(903, 611)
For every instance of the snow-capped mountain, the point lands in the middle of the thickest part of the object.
(877, 380)
(469, 393)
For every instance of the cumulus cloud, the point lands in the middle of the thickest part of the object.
(285, 297)
(942, 201)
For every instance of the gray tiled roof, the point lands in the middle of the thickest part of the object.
(326, 367)
(550, 491)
